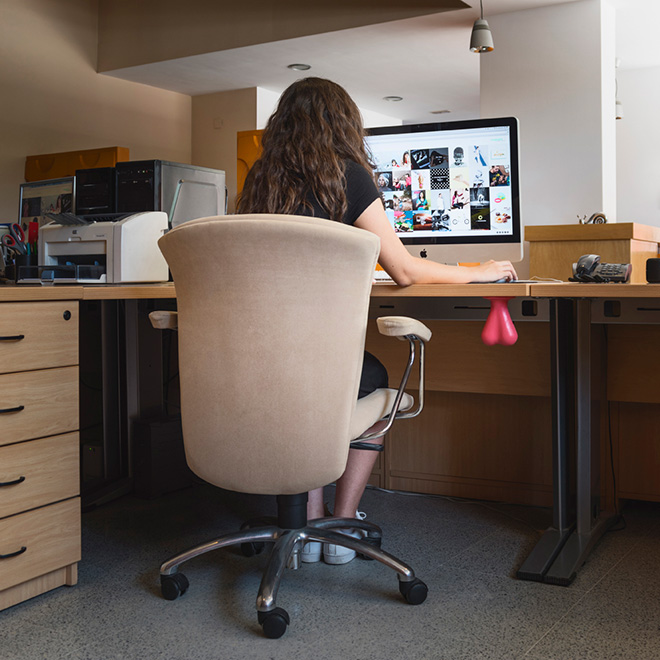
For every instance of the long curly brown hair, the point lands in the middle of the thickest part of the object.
(314, 130)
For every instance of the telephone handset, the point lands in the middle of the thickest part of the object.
(589, 269)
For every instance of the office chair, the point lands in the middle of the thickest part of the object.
(271, 319)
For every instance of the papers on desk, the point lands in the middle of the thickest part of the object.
(381, 277)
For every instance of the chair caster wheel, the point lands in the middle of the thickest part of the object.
(414, 592)
(274, 622)
(252, 549)
(173, 586)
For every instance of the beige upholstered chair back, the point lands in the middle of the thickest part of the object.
(272, 313)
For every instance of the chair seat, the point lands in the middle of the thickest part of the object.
(374, 407)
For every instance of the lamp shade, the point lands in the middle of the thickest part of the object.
(482, 39)
(619, 109)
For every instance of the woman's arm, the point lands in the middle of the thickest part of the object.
(405, 269)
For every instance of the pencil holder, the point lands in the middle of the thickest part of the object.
(25, 266)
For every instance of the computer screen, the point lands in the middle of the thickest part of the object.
(50, 196)
(451, 189)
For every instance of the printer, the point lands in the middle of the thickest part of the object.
(118, 252)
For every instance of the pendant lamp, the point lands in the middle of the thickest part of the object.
(481, 40)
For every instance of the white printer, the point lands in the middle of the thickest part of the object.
(117, 252)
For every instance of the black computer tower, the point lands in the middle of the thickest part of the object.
(159, 460)
(184, 192)
(95, 191)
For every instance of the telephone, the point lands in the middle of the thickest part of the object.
(589, 269)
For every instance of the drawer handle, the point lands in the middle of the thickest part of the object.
(20, 480)
(12, 338)
(14, 554)
(10, 410)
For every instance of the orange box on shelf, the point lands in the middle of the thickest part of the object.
(56, 166)
(248, 150)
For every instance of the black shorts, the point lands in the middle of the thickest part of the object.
(374, 375)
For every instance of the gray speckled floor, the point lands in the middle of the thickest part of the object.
(467, 553)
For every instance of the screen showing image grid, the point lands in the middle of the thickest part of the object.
(450, 182)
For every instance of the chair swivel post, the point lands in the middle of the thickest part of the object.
(292, 511)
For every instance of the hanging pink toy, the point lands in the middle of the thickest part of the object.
(499, 328)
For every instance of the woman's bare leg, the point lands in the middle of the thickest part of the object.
(315, 507)
(351, 484)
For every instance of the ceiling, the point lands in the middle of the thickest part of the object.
(402, 58)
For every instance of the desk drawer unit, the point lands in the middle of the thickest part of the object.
(36, 473)
(38, 335)
(39, 403)
(36, 546)
(39, 448)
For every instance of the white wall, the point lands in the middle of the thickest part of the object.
(372, 119)
(53, 100)
(266, 104)
(638, 147)
(553, 68)
(267, 101)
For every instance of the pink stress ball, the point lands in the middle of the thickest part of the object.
(499, 328)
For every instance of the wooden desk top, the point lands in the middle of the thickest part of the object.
(584, 290)
(28, 292)
(129, 291)
(449, 290)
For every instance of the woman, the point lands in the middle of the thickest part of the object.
(422, 202)
(315, 162)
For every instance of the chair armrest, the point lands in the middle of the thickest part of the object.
(412, 331)
(402, 327)
(164, 320)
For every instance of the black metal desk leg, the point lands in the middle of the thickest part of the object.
(591, 524)
(562, 341)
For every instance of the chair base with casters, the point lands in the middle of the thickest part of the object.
(291, 529)
(288, 536)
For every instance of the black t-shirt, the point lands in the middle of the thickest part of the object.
(361, 191)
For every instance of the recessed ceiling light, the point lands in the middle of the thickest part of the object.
(299, 67)
(440, 112)
(393, 99)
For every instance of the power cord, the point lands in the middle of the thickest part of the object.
(621, 522)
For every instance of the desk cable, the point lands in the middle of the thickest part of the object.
(620, 525)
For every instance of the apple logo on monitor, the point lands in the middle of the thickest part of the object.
(423, 254)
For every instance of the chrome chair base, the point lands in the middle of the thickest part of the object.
(287, 544)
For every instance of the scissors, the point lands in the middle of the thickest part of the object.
(9, 241)
(17, 232)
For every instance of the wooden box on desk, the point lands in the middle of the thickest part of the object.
(553, 249)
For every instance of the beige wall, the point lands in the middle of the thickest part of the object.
(53, 100)
(216, 118)
(179, 29)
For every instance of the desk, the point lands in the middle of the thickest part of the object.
(567, 306)
(578, 389)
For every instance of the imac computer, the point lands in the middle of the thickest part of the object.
(451, 189)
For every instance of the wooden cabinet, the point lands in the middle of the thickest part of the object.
(39, 448)
(554, 249)
(485, 432)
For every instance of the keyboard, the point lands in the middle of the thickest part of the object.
(381, 277)
(505, 281)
